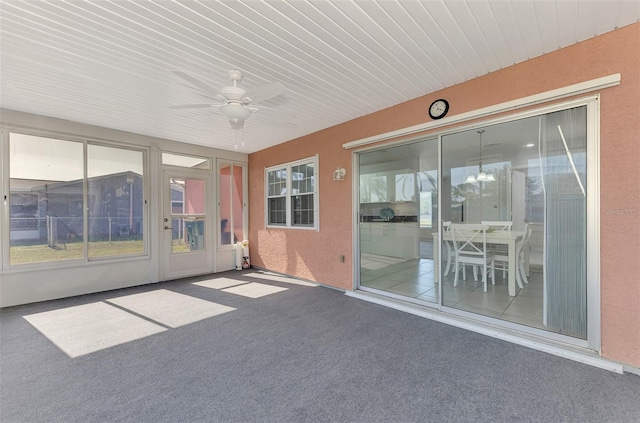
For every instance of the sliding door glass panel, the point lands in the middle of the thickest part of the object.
(46, 183)
(397, 207)
(531, 173)
(563, 170)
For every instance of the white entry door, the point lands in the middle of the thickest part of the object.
(186, 222)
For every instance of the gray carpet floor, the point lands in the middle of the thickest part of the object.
(307, 354)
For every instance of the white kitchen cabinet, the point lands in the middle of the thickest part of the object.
(408, 237)
(374, 188)
(365, 237)
(380, 239)
(393, 239)
(404, 188)
(390, 186)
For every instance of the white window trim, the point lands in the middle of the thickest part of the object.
(190, 156)
(5, 266)
(316, 195)
(490, 111)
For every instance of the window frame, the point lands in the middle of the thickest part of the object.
(288, 195)
(86, 259)
(245, 201)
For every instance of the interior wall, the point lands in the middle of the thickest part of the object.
(25, 284)
(314, 255)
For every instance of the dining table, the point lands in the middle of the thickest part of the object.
(499, 237)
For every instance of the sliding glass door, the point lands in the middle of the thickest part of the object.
(524, 182)
(398, 208)
(529, 174)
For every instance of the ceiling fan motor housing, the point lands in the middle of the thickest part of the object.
(233, 93)
(234, 75)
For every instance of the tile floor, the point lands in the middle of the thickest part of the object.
(414, 279)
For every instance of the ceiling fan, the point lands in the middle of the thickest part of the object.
(233, 102)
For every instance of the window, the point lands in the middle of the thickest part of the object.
(116, 201)
(45, 189)
(232, 203)
(50, 214)
(428, 198)
(292, 195)
(180, 160)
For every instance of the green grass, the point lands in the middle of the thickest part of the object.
(40, 253)
(178, 246)
(22, 254)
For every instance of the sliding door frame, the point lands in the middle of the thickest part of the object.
(593, 340)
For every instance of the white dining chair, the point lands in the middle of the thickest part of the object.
(502, 260)
(497, 225)
(470, 248)
(521, 256)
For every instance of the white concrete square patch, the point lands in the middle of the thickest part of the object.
(274, 277)
(219, 283)
(84, 329)
(254, 290)
(170, 308)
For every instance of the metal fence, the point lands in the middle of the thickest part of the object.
(56, 230)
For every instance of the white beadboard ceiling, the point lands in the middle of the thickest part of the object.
(110, 63)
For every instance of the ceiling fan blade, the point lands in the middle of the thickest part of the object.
(218, 100)
(197, 83)
(263, 92)
(190, 106)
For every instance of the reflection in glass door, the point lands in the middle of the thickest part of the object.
(187, 215)
(398, 208)
(185, 225)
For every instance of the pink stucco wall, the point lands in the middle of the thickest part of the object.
(194, 196)
(314, 255)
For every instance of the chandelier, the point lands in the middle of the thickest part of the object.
(481, 177)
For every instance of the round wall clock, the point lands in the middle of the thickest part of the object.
(438, 109)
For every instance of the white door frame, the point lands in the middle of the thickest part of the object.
(190, 263)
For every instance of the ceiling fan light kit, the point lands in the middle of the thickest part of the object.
(235, 100)
(235, 112)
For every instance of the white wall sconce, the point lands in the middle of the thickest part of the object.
(339, 173)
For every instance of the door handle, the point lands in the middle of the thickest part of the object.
(166, 227)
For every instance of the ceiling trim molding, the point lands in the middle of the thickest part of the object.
(559, 93)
